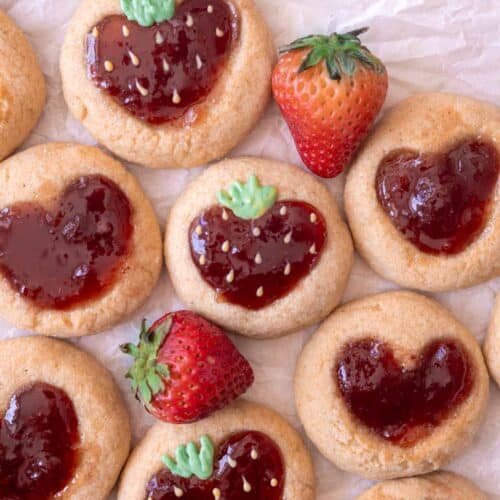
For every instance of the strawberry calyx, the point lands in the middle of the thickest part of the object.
(146, 373)
(340, 51)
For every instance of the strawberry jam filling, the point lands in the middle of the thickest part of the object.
(38, 444)
(403, 404)
(252, 263)
(439, 202)
(160, 72)
(68, 256)
(248, 466)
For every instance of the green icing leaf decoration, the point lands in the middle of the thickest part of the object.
(250, 200)
(146, 373)
(148, 12)
(189, 461)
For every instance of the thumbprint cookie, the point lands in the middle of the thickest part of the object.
(80, 246)
(243, 452)
(391, 386)
(435, 486)
(22, 87)
(492, 343)
(64, 429)
(423, 197)
(168, 84)
(259, 247)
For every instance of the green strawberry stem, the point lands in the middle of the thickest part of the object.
(146, 373)
(148, 12)
(341, 53)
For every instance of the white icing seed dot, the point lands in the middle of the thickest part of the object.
(219, 33)
(189, 21)
(135, 60)
(312, 250)
(283, 211)
(253, 454)
(95, 32)
(202, 260)
(199, 62)
(313, 218)
(274, 482)
(166, 66)
(230, 279)
(288, 269)
(142, 90)
(178, 492)
(258, 258)
(256, 231)
(232, 462)
(216, 493)
(247, 487)
(225, 246)
(125, 31)
(224, 215)
(260, 291)
(210, 9)
(109, 66)
(159, 39)
(176, 98)
(288, 238)
(198, 230)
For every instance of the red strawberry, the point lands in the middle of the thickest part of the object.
(330, 90)
(186, 368)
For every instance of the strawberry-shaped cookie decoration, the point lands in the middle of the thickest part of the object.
(159, 60)
(247, 466)
(253, 249)
(186, 368)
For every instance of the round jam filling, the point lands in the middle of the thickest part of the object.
(403, 404)
(71, 255)
(248, 466)
(252, 263)
(439, 201)
(38, 444)
(158, 73)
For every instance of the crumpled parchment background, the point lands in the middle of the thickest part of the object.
(427, 45)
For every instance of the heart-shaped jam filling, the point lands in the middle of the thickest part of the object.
(71, 255)
(439, 201)
(38, 444)
(403, 404)
(254, 262)
(247, 466)
(159, 72)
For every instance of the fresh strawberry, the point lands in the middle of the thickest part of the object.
(330, 90)
(186, 368)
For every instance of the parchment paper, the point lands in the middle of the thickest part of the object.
(437, 45)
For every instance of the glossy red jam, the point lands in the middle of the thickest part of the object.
(248, 466)
(158, 73)
(252, 263)
(38, 444)
(400, 403)
(439, 201)
(72, 254)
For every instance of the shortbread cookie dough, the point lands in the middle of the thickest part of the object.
(67, 428)
(391, 386)
(154, 87)
(492, 343)
(259, 247)
(22, 87)
(80, 243)
(243, 448)
(436, 486)
(423, 197)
